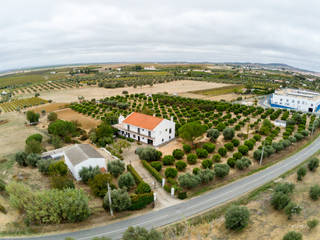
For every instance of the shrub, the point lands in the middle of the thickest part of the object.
(116, 167)
(61, 182)
(143, 188)
(32, 117)
(120, 200)
(168, 160)
(152, 171)
(140, 201)
(33, 159)
(292, 208)
(229, 146)
(38, 206)
(231, 162)
(302, 171)
(202, 153)
(257, 154)
(216, 158)
(312, 223)
(292, 236)
(126, 180)
(249, 144)
(237, 218)
(191, 130)
(186, 148)
(235, 142)
(195, 171)
(99, 184)
(285, 188)
(2, 185)
(148, 153)
(21, 158)
(221, 170)
(222, 151)
(171, 172)
(298, 136)
(313, 164)
(52, 117)
(43, 165)
(257, 137)
(181, 165)
(177, 154)
(192, 158)
(182, 195)
(138, 179)
(156, 165)
(213, 134)
(279, 200)
(33, 146)
(37, 137)
(206, 175)
(292, 139)
(210, 147)
(207, 163)
(314, 192)
(139, 233)
(237, 155)
(243, 149)
(228, 133)
(58, 168)
(243, 163)
(87, 173)
(277, 146)
(188, 180)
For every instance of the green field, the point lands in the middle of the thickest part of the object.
(221, 90)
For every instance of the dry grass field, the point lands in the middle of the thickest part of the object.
(86, 122)
(265, 222)
(14, 133)
(71, 95)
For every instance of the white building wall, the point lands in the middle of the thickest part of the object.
(93, 162)
(159, 135)
(164, 132)
(293, 102)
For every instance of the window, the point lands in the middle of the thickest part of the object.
(280, 99)
(169, 137)
(311, 105)
(149, 133)
(134, 136)
(298, 102)
(287, 100)
(170, 130)
(292, 101)
(128, 127)
(138, 130)
(166, 130)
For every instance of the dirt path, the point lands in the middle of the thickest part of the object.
(70, 95)
(163, 198)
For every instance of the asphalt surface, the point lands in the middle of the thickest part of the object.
(193, 206)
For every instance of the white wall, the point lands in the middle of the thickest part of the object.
(301, 104)
(93, 162)
(162, 132)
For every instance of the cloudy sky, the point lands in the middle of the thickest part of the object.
(47, 32)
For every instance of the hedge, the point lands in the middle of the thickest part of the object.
(139, 201)
(135, 175)
(152, 171)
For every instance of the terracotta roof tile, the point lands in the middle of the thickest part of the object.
(142, 120)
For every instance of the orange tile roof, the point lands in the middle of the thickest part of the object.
(142, 120)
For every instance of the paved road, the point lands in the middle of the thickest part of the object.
(193, 206)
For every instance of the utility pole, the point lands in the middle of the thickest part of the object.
(110, 203)
(262, 153)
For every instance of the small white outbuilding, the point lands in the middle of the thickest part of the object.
(83, 155)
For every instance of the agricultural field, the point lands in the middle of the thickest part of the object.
(230, 142)
(221, 90)
(19, 104)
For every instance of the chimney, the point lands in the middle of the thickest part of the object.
(171, 118)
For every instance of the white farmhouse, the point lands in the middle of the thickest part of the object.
(78, 156)
(147, 129)
(296, 99)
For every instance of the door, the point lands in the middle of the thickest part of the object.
(150, 141)
(138, 138)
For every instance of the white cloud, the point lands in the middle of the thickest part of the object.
(35, 32)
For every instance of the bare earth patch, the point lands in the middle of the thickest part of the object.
(68, 114)
(178, 87)
(49, 107)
